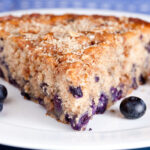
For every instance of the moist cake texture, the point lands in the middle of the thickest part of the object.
(74, 65)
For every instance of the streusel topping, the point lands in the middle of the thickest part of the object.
(60, 37)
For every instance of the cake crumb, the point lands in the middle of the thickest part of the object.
(112, 111)
(90, 129)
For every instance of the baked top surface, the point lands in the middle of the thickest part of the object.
(69, 41)
(56, 36)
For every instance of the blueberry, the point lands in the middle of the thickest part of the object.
(76, 92)
(147, 47)
(81, 123)
(101, 107)
(132, 107)
(10, 79)
(67, 118)
(142, 79)
(1, 106)
(133, 68)
(141, 37)
(134, 83)
(13, 81)
(3, 93)
(44, 87)
(26, 95)
(90, 129)
(96, 78)
(115, 93)
(2, 62)
(57, 105)
(1, 48)
(93, 106)
(1, 74)
(40, 100)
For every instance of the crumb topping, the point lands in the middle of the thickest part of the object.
(54, 36)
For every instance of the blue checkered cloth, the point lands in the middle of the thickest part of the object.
(136, 6)
(139, 6)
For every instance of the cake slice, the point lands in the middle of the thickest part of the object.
(74, 65)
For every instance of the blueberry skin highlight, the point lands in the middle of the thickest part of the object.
(132, 107)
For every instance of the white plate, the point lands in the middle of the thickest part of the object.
(24, 123)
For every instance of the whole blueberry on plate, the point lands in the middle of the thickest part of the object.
(3, 93)
(132, 107)
(1, 106)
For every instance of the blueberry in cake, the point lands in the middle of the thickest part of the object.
(74, 65)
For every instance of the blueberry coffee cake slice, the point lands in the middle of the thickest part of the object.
(74, 65)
